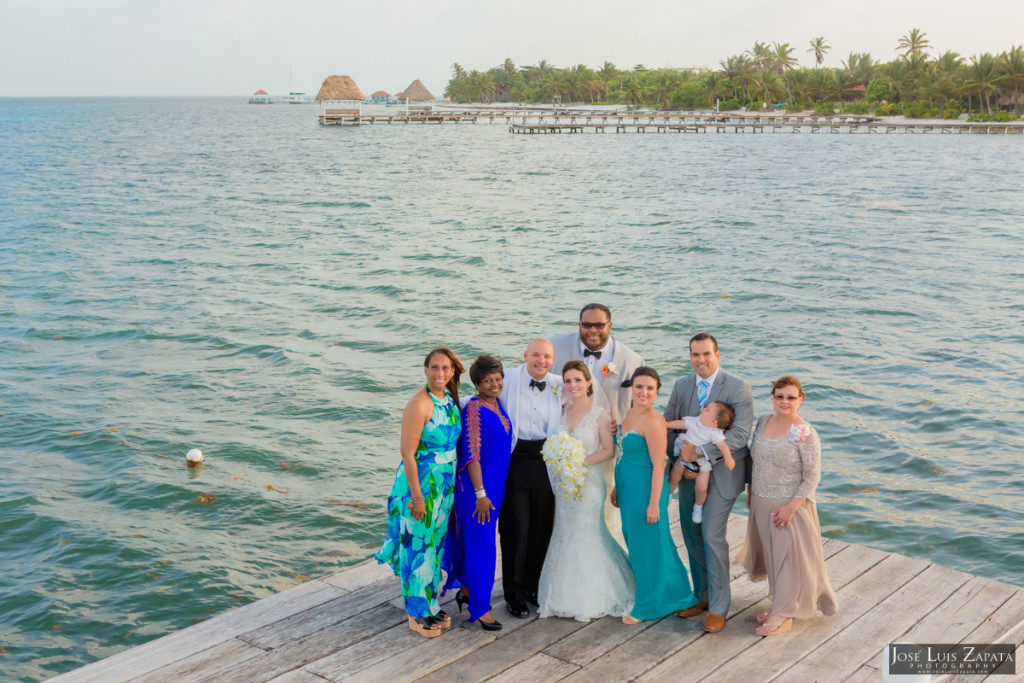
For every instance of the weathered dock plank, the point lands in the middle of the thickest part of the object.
(175, 646)
(352, 626)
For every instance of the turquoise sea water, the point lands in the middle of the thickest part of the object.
(180, 273)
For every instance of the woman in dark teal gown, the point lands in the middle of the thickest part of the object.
(641, 490)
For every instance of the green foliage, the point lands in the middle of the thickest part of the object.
(729, 105)
(795, 106)
(822, 107)
(997, 117)
(880, 89)
(855, 108)
(768, 72)
(885, 109)
(951, 112)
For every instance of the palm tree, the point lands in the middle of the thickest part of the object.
(634, 89)
(760, 55)
(819, 47)
(783, 62)
(607, 72)
(507, 66)
(664, 84)
(1011, 65)
(732, 68)
(983, 78)
(458, 70)
(914, 43)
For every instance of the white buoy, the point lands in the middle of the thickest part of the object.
(194, 457)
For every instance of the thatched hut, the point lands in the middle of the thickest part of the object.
(417, 92)
(340, 88)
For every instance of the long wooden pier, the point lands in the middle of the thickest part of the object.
(612, 121)
(351, 626)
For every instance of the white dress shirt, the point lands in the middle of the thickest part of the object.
(596, 365)
(533, 411)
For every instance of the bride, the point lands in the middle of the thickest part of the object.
(586, 574)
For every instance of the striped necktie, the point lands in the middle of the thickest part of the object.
(702, 393)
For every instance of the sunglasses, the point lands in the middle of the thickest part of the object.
(785, 398)
(592, 326)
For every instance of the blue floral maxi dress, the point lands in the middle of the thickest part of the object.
(415, 550)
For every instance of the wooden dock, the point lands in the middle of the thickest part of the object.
(351, 626)
(604, 121)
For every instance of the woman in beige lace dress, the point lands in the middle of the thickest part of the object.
(783, 537)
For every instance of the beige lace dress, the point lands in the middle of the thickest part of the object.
(791, 558)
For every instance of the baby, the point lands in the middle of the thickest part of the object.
(707, 428)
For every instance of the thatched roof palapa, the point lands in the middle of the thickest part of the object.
(339, 88)
(417, 92)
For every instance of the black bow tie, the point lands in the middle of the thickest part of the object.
(539, 386)
(588, 352)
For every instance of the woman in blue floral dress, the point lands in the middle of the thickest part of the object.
(421, 498)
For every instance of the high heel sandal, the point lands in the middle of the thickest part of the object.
(424, 626)
(490, 626)
(762, 618)
(630, 620)
(770, 629)
(461, 599)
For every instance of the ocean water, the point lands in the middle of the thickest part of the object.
(181, 273)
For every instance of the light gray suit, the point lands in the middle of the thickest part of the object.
(617, 388)
(616, 384)
(705, 543)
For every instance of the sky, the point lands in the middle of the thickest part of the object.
(235, 47)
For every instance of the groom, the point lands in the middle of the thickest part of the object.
(532, 397)
(611, 364)
(705, 542)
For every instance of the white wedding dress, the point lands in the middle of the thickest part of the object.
(586, 574)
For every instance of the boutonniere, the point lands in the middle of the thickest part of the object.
(555, 388)
(799, 432)
(608, 368)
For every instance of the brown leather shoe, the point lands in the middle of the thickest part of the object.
(692, 611)
(714, 623)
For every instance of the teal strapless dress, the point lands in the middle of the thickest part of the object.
(662, 583)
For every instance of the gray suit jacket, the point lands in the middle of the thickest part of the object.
(619, 380)
(728, 389)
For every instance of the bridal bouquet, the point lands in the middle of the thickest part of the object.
(564, 455)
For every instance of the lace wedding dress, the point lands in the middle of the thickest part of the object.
(586, 574)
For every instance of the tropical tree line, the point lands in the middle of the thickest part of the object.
(916, 83)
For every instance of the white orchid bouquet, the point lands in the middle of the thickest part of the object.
(564, 457)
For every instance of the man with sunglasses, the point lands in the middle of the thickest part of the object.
(611, 364)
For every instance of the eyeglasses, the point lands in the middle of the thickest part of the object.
(785, 398)
(592, 326)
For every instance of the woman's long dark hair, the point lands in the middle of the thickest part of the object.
(453, 383)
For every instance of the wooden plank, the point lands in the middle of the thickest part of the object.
(298, 676)
(962, 613)
(637, 655)
(862, 577)
(509, 649)
(425, 657)
(595, 639)
(320, 617)
(886, 622)
(175, 646)
(316, 645)
(540, 667)
(360, 575)
(208, 665)
(1006, 624)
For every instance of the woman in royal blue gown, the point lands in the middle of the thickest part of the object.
(641, 492)
(484, 452)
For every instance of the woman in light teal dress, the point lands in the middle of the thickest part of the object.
(421, 498)
(641, 492)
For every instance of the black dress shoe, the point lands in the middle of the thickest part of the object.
(531, 597)
(518, 609)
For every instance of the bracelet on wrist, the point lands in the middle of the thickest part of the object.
(481, 493)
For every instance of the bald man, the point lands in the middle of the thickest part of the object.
(532, 396)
